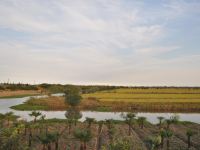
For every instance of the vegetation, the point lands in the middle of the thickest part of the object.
(133, 133)
(43, 134)
(126, 99)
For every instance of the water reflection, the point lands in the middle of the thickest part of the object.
(5, 105)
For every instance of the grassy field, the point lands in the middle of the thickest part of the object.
(148, 95)
(146, 100)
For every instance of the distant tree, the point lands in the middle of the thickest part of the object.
(9, 116)
(129, 118)
(175, 118)
(46, 140)
(109, 123)
(141, 121)
(169, 122)
(72, 116)
(72, 96)
(89, 121)
(84, 136)
(160, 118)
(77, 115)
(35, 114)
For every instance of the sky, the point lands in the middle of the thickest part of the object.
(112, 42)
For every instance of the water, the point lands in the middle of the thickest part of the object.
(5, 105)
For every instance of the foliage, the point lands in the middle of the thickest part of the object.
(89, 121)
(83, 135)
(35, 114)
(72, 96)
(154, 142)
(141, 121)
(123, 144)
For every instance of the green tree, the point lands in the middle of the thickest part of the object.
(175, 118)
(72, 116)
(160, 118)
(10, 139)
(72, 96)
(84, 136)
(189, 134)
(35, 114)
(46, 140)
(141, 121)
(129, 119)
(169, 122)
(9, 116)
(89, 121)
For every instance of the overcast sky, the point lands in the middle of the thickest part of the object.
(120, 42)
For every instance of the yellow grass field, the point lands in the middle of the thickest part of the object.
(172, 95)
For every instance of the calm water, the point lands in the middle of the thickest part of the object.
(5, 105)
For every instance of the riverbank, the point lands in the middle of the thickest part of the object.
(18, 93)
(88, 103)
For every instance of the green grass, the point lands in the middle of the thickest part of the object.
(29, 107)
(103, 109)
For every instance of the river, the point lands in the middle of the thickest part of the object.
(6, 103)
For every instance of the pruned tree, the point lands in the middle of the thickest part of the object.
(84, 136)
(35, 114)
(141, 121)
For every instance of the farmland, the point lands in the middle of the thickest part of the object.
(131, 134)
(132, 99)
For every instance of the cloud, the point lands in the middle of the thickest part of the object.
(96, 41)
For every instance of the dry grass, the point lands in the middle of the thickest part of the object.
(148, 95)
(18, 93)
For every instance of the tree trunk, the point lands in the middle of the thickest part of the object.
(56, 145)
(162, 142)
(167, 144)
(43, 147)
(81, 147)
(8, 123)
(25, 131)
(46, 129)
(189, 143)
(30, 139)
(85, 146)
(168, 125)
(49, 146)
(129, 129)
(160, 124)
(69, 128)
